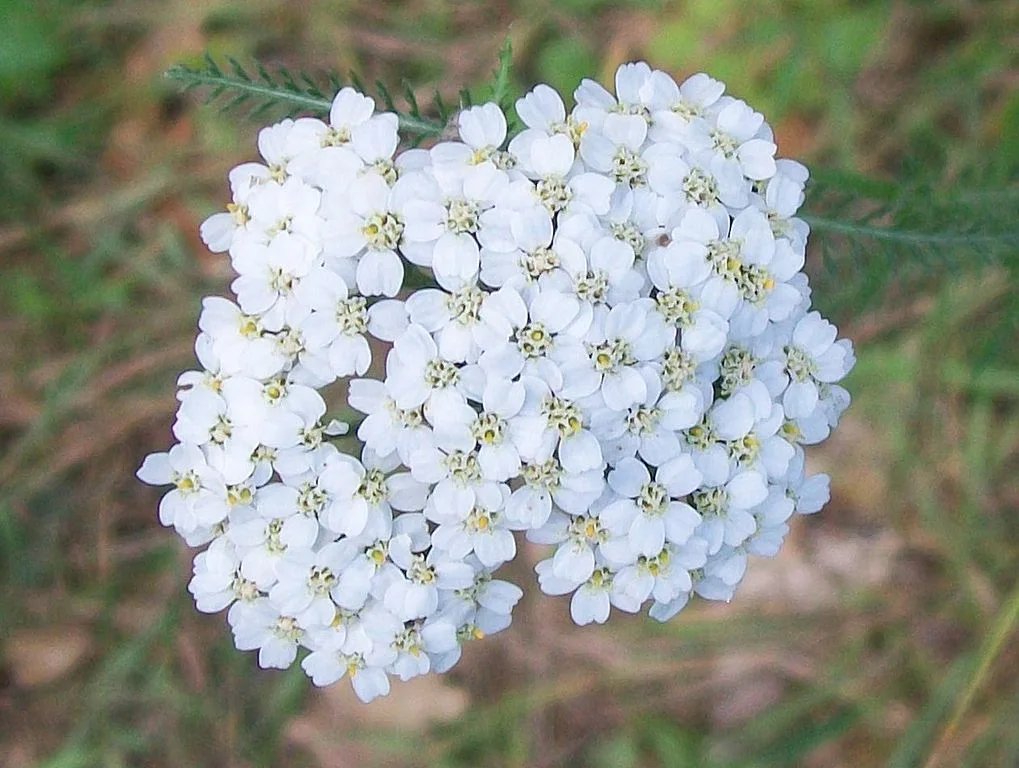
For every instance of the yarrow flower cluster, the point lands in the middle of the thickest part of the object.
(617, 357)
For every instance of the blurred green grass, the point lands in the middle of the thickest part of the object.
(881, 635)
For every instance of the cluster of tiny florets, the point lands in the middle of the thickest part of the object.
(617, 357)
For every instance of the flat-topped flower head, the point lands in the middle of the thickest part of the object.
(596, 332)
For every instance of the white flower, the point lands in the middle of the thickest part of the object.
(632, 89)
(441, 227)
(521, 248)
(592, 600)
(726, 510)
(521, 338)
(278, 144)
(485, 607)
(684, 180)
(185, 468)
(416, 376)
(416, 593)
(559, 424)
(290, 208)
(273, 633)
(239, 341)
(543, 112)
(453, 318)
(456, 476)
(546, 483)
(648, 512)
(578, 538)
(615, 150)
(280, 524)
(220, 230)
(629, 335)
(482, 530)
(720, 575)
(737, 141)
(369, 228)
(483, 131)
(337, 322)
(387, 427)
(813, 357)
(683, 296)
(349, 109)
(677, 105)
(555, 187)
(367, 496)
(352, 654)
(664, 576)
(600, 273)
(375, 141)
(650, 427)
(615, 353)
(811, 494)
(305, 579)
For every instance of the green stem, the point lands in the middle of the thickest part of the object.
(822, 224)
(1004, 624)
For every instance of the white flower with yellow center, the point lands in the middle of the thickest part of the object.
(288, 208)
(217, 582)
(737, 138)
(240, 342)
(275, 635)
(546, 483)
(264, 539)
(677, 105)
(483, 530)
(418, 377)
(185, 467)
(542, 111)
(649, 428)
(443, 223)
(482, 132)
(368, 492)
(614, 352)
(368, 226)
(663, 576)
(615, 149)
(633, 93)
(351, 654)
(337, 323)
(453, 318)
(415, 594)
(220, 230)
(557, 184)
(725, 509)
(305, 581)
(523, 250)
(387, 428)
(578, 539)
(648, 512)
(630, 335)
(813, 357)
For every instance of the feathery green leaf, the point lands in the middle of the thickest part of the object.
(294, 93)
(879, 239)
(501, 76)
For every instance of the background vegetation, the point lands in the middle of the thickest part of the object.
(883, 634)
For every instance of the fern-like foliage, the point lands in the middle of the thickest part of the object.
(879, 241)
(501, 85)
(284, 92)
